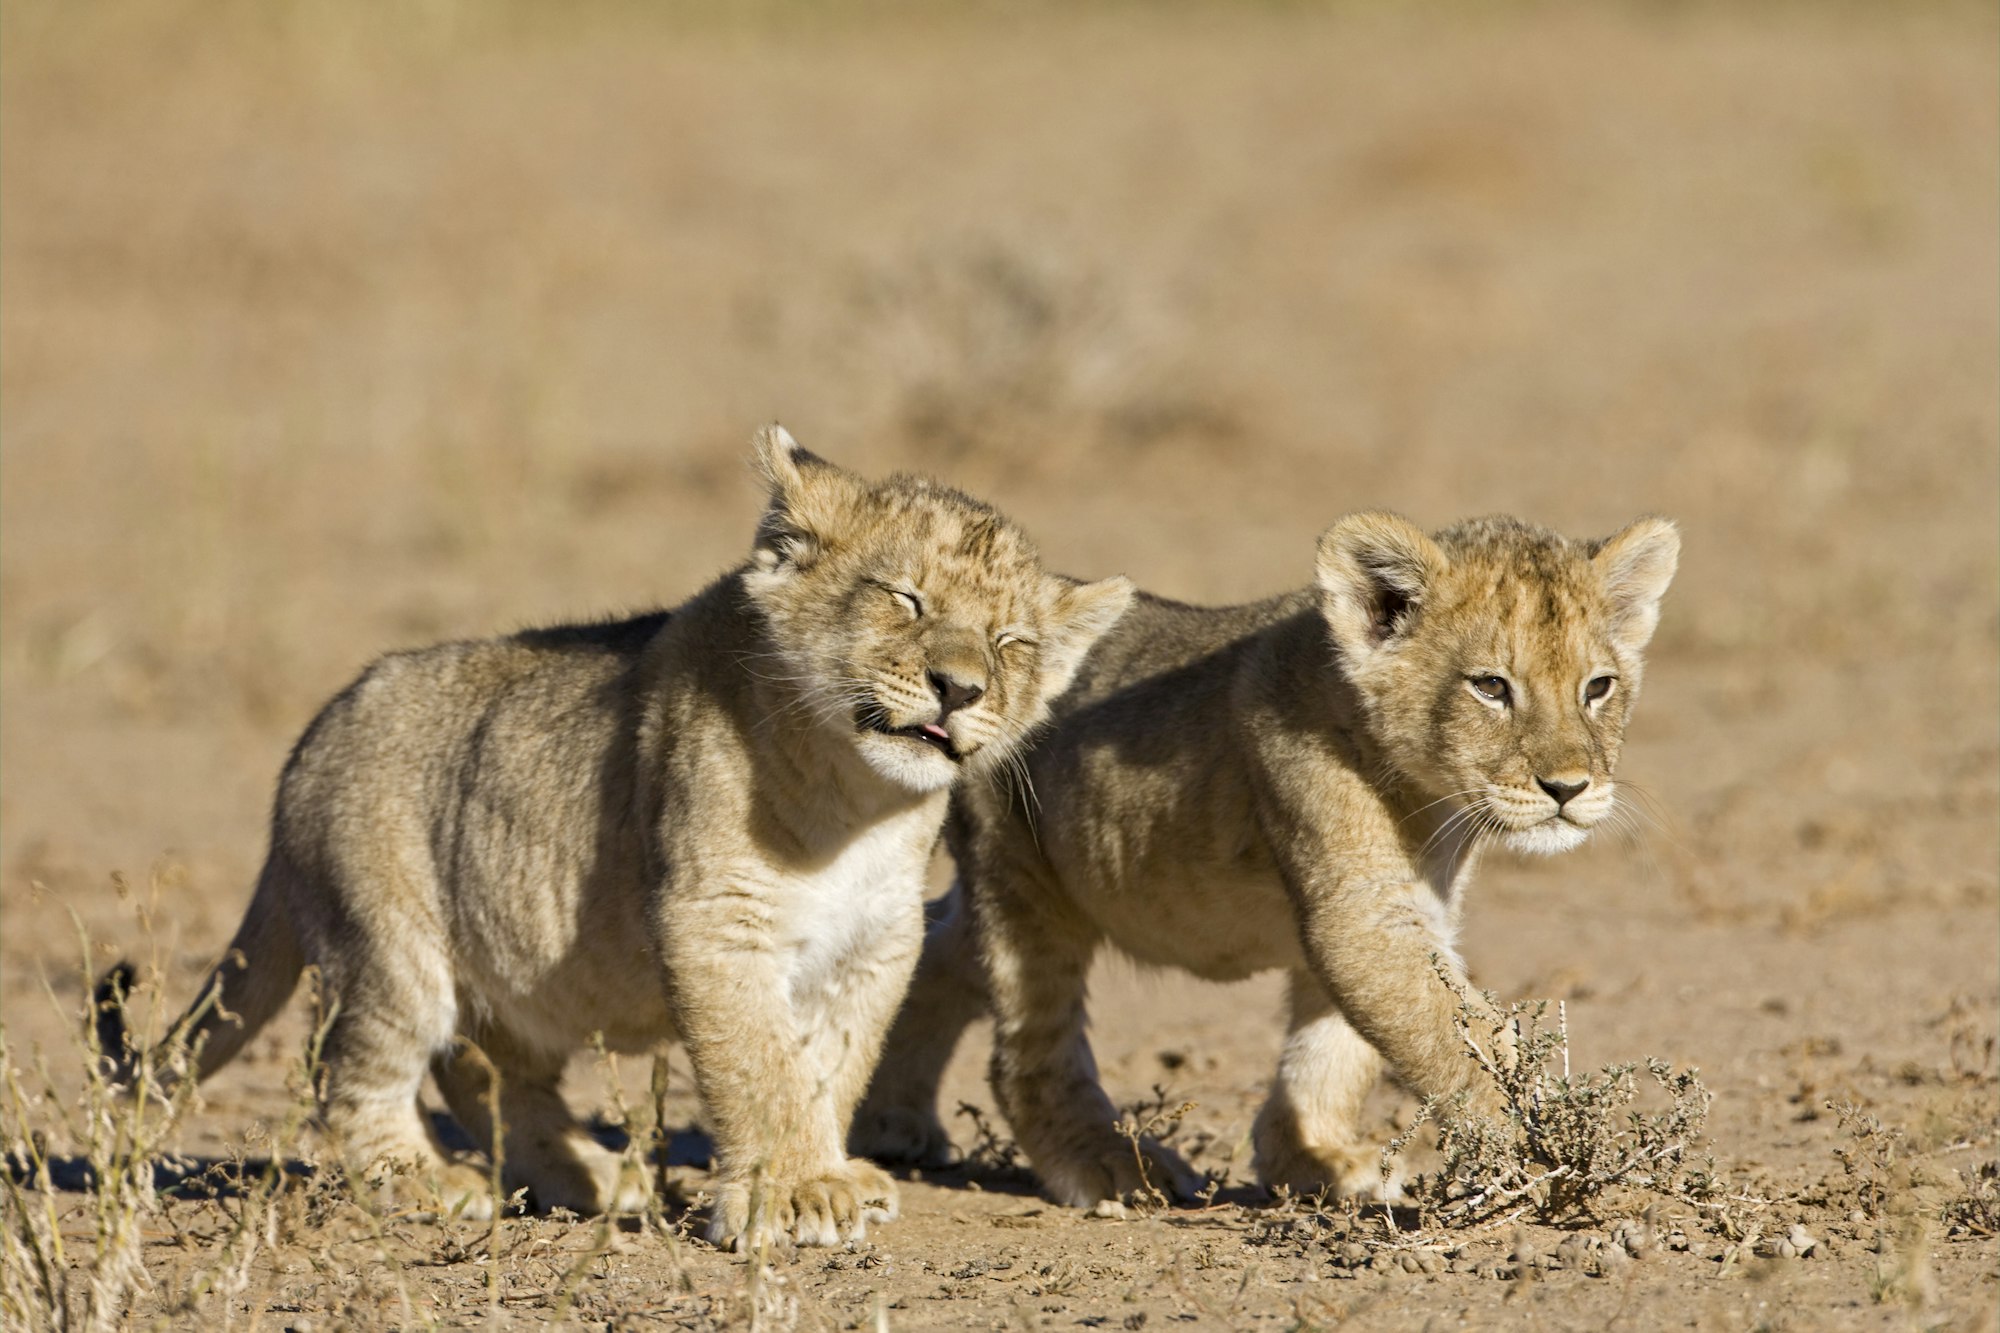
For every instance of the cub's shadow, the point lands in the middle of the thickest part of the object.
(198, 1176)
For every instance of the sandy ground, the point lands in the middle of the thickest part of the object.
(330, 330)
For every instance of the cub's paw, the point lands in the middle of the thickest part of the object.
(588, 1179)
(902, 1136)
(436, 1191)
(1109, 1172)
(824, 1209)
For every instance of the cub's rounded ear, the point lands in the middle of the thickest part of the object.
(812, 502)
(1078, 617)
(1375, 571)
(1636, 566)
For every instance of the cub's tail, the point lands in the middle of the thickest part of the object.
(251, 984)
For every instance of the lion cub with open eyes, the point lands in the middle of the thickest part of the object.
(1302, 784)
(711, 825)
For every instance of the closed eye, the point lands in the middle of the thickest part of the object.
(1007, 638)
(912, 602)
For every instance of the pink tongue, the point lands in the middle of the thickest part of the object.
(933, 729)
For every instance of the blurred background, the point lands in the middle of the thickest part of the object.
(331, 328)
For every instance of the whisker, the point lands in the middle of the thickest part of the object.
(1469, 791)
(1469, 819)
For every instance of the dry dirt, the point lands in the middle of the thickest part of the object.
(332, 329)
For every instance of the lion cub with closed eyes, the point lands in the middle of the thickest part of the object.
(711, 825)
(1303, 784)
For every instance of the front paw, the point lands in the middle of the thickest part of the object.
(824, 1209)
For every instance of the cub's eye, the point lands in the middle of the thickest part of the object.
(1007, 638)
(911, 602)
(1598, 689)
(1493, 689)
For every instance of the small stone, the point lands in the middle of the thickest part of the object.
(1430, 1261)
(1351, 1255)
(1574, 1252)
(1677, 1241)
(1857, 1216)
(1697, 1249)
(1634, 1237)
(1612, 1260)
(1408, 1262)
(1800, 1240)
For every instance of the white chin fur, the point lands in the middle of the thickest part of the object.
(1545, 839)
(906, 763)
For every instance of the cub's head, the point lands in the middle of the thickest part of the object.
(911, 618)
(1498, 662)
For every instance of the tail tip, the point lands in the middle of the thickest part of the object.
(107, 1005)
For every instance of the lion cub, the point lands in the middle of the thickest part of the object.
(709, 825)
(1305, 784)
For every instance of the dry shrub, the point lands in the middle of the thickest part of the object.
(1973, 1209)
(1565, 1140)
(120, 1131)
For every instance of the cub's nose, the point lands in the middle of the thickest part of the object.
(954, 693)
(1561, 791)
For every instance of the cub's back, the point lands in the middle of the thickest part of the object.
(415, 724)
(1158, 639)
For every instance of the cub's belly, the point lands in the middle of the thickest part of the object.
(1223, 924)
(554, 987)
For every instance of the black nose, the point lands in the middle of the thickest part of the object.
(1561, 791)
(954, 693)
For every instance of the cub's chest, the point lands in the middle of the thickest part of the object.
(834, 912)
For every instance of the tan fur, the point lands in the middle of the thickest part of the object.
(693, 825)
(1302, 784)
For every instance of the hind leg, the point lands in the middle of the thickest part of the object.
(1043, 1073)
(377, 1049)
(547, 1149)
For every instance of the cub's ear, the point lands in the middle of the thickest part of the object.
(1375, 572)
(811, 502)
(1636, 567)
(1077, 619)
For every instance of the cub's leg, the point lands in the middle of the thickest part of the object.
(898, 1120)
(1384, 953)
(1044, 1076)
(765, 1081)
(846, 1020)
(546, 1148)
(395, 1007)
(843, 1021)
(1307, 1137)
